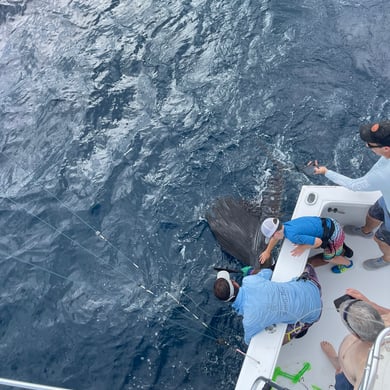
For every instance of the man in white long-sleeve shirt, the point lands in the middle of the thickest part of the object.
(377, 138)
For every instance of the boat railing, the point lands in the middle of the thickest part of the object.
(374, 358)
(27, 385)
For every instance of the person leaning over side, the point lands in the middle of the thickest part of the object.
(377, 138)
(364, 323)
(263, 303)
(306, 233)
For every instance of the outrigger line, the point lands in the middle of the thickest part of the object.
(70, 239)
(100, 235)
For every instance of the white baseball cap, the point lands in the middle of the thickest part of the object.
(269, 227)
(225, 275)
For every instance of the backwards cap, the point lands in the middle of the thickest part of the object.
(223, 286)
(269, 227)
(377, 133)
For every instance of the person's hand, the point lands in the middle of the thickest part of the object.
(317, 169)
(298, 250)
(356, 294)
(264, 257)
(320, 170)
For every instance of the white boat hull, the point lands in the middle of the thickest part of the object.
(265, 351)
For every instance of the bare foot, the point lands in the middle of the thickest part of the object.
(331, 354)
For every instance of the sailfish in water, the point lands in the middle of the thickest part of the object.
(236, 223)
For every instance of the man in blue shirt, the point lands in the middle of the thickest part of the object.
(263, 303)
(377, 138)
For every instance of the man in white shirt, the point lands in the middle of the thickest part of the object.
(377, 138)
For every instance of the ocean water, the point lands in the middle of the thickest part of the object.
(121, 122)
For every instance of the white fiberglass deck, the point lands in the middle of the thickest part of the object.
(263, 353)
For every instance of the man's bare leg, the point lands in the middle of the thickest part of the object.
(330, 352)
(371, 224)
(384, 248)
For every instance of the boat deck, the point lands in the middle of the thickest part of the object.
(265, 352)
(374, 284)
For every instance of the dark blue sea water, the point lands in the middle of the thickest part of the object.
(129, 118)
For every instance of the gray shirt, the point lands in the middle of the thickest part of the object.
(376, 179)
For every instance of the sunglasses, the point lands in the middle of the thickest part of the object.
(373, 146)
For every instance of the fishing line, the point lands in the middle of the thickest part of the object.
(141, 286)
(8, 256)
(100, 235)
(191, 315)
(99, 258)
(218, 340)
(213, 338)
(186, 308)
(197, 305)
(18, 259)
(68, 237)
(194, 316)
(208, 327)
(97, 232)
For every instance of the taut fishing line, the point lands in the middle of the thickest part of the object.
(192, 316)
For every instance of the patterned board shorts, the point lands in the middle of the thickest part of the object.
(335, 247)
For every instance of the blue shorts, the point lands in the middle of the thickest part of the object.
(342, 382)
(379, 211)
